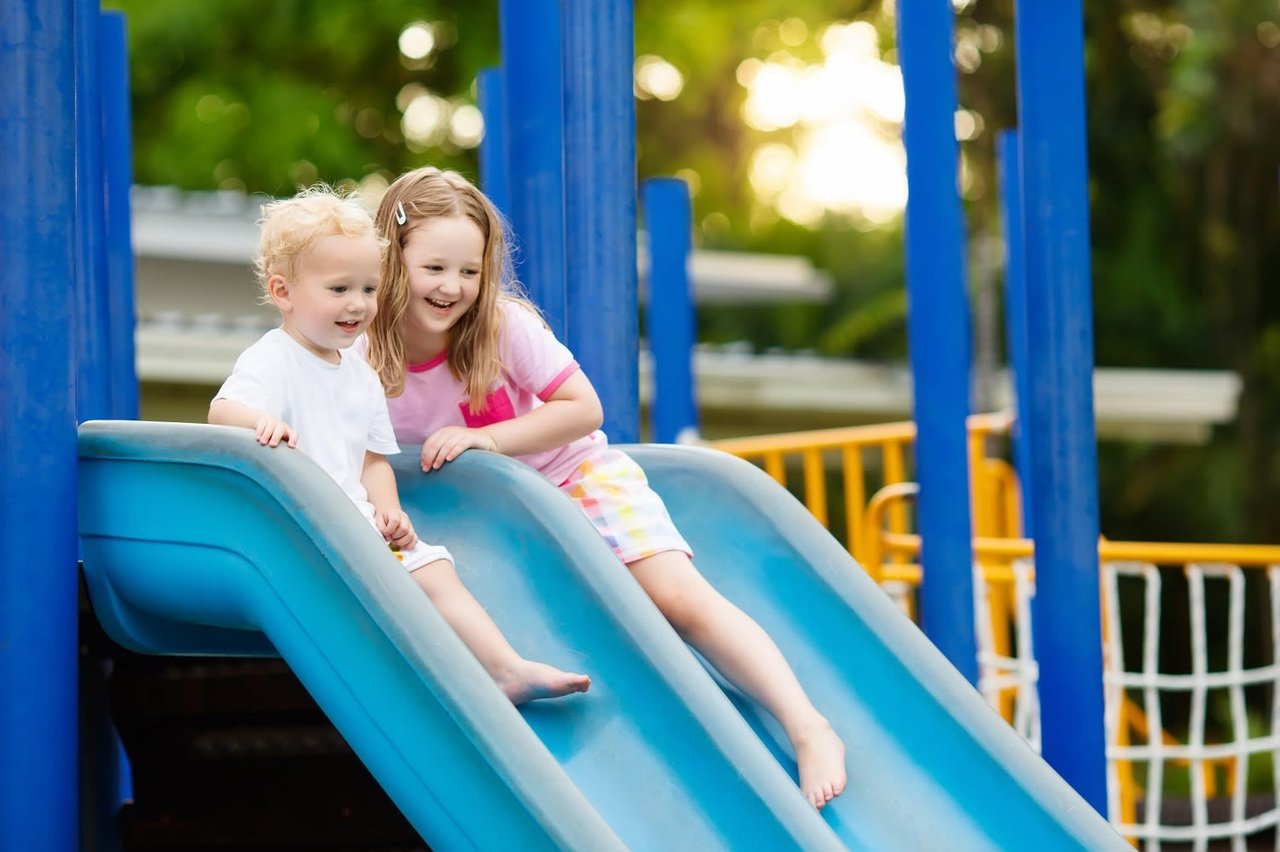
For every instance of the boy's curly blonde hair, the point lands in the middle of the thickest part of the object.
(290, 226)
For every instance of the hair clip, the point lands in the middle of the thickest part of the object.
(401, 218)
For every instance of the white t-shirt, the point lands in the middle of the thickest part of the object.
(338, 410)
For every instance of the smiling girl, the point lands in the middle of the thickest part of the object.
(467, 363)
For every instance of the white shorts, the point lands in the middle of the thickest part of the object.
(415, 557)
(420, 554)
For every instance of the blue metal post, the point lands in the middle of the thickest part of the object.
(938, 327)
(102, 796)
(1067, 626)
(495, 177)
(93, 384)
(1015, 310)
(38, 653)
(600, 204)
(532, 61)
(118, 169)
(670, 313)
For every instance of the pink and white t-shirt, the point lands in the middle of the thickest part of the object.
(534, 365)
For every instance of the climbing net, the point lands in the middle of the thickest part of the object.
(1191, 655)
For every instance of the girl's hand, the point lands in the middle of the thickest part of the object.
(270, 431)
(449, 443)
(396, 528)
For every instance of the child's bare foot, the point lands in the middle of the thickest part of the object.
(529, 681)
(820, 757)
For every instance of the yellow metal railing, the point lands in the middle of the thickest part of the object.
(876, 460)
(868, 458)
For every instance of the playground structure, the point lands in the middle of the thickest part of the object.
(976, 785)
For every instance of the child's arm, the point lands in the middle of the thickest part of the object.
(571, 412)
(379, 481)
(269, 431)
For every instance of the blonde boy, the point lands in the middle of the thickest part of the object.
(318, 264)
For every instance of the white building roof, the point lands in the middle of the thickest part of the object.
(197, 310)
(219, 227)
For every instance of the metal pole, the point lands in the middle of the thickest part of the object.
(118, 168)
(600, 205)
(93, 384)
(532, 60)
(38, 611)
(670, 316)
(937, 324)
(106, 781)
(1067, 625)
(495, 176)
(1015, 311)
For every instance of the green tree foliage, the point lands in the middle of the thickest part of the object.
(263, 97)
(1217, 126)
(1186, 210)
(702, 134)
(1184, 121)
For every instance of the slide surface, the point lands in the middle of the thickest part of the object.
(931, 765)
(198, 541)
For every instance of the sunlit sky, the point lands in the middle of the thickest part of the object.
(830, 131)
(845, 154)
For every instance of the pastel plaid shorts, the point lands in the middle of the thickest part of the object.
(613, 492)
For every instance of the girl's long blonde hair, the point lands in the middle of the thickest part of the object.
(424, 194)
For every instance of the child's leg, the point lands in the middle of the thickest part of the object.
(520, 679)
(741, 651)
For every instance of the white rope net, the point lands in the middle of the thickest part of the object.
(1191, 744)
(1008, 682)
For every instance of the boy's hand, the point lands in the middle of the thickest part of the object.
(449, 443)
(270, 431)
(396, 528)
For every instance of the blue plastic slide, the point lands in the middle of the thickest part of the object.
(198, 541)
(931, 765)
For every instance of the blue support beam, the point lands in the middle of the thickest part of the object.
(114, 782)
(117, 163)
(600, 204)
(532, 54)
(93, 383)
(495, 176)
(1067, 627)
(1009, 169)
(38, 609)
(937, 324)
(670, 317)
